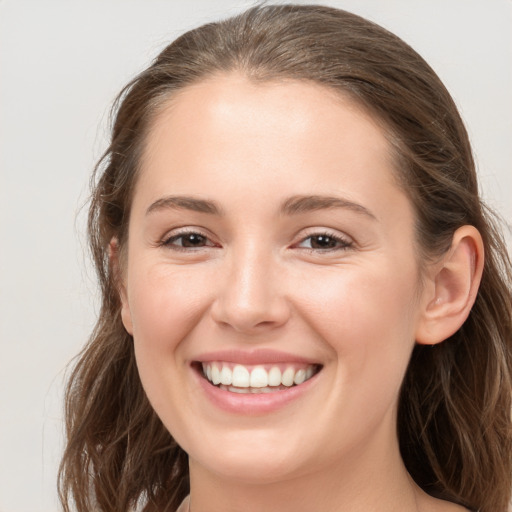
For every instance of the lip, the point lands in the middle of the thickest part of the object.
(251, 404)
(252, 357)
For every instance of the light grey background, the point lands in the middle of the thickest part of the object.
(61, 64)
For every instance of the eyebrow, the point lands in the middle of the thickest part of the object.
(302, 204)
(185, 203)
(295, 205)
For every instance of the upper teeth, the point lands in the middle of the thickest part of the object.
(256, 376)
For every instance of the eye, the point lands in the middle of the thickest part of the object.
(324, 242)
(187, 240)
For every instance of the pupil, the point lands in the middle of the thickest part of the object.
(193, 240)
(322, 242)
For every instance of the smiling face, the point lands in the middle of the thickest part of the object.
(271, 249)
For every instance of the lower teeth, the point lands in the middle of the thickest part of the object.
(268, 389)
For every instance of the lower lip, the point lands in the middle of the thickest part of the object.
(253, 404)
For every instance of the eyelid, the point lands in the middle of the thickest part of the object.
(345, 241)
(176, 233)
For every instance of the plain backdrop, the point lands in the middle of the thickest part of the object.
(61, 64)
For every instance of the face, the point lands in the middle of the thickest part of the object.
(271, 282)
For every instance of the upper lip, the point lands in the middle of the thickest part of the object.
(252, 357)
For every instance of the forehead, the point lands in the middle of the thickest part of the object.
(237, 96)
(278, 123)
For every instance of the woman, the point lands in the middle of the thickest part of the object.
(305, 304)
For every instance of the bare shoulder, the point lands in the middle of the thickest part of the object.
(430, 504)
(446, 506)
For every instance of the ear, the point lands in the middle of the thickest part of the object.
(117, 272)
(452, 287)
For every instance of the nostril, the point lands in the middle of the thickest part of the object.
(250, 318)
(251, 297)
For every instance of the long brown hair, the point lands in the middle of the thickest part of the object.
(454, 422)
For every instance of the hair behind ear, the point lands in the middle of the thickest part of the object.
(116, 264)
(454, 415)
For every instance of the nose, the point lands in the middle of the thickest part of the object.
(251, 297)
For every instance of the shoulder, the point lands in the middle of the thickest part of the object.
(431, 504)
(451, 507)
(184, 505)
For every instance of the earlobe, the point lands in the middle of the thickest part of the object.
(115, 265)
(455, 281)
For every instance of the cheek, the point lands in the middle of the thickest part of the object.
(367, 316)
(368, 321)
(165, 303)
(356, 299)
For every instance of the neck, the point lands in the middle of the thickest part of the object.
(373, 480)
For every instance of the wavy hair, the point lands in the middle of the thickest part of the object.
(454, 419)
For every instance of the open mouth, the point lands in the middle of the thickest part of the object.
(271, 378)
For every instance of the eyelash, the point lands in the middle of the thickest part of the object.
(342, 243)
(169, 241)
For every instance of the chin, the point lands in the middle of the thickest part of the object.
(252, 471)
(252, 462)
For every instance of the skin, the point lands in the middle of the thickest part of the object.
(260, 279)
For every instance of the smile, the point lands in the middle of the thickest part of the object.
(238, 378)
